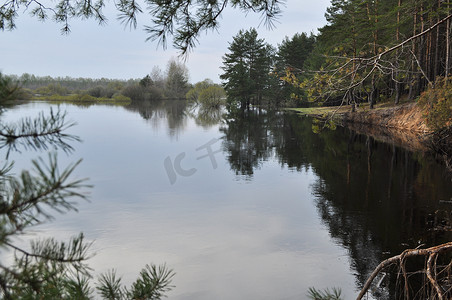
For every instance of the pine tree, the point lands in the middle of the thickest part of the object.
(176, 80)
(292, 54)
(378, 49)
(247, 69)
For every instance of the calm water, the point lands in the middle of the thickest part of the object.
(243, 207)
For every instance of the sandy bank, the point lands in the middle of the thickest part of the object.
(403, 125)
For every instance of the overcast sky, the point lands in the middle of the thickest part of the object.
(111, 51)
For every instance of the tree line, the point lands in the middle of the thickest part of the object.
(381, 49)
(370, 51)
(173, 84)
(157, 85)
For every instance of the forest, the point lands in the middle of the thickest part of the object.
(369, 52)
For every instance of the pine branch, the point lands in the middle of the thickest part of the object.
(24, 200)
(50, 270)
(109, 286)
(38, 133)
(49, 250)
(152, 284)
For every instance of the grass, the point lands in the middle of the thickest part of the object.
(328, 110)
(319, 111)
(85, 99)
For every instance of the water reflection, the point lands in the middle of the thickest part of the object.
(373, 200)
(176, 113)
(173, 111)
(250, 138)
(377, 199)
(207, 117)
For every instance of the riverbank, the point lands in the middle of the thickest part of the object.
(403, 124)
(406, 116)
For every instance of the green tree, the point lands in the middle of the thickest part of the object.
(247, 68)
(294, 52)
(184, 20)
(292, 55)
(207, 94)
(176, 85)
(8, 88)
(193, 93)
(146, 81)
(379, 49)
(212, 97)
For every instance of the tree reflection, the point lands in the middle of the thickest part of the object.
(173, 111)
(207, 117)
(250, 138)
(375, 198)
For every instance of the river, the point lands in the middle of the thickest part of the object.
(243, 206)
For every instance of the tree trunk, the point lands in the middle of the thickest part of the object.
(447, 42)
(373, 93)
(420, 54)
(413, 65)
(351, 100)
(396, 75)
(436, 58)
(372, 96)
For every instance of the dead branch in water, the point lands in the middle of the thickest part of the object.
(437, 276)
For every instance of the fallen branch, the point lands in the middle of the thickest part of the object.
(432, 254)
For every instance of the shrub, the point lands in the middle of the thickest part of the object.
(212, 97)
(437, 103)
(23, 94)
(120, 97)
(87, 98)
(134, 92)
(101, 92)
(154, 93)
(52, 89)
(207, 94)
(193, 93)
(139, 93)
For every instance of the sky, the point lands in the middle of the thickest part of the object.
(112, 51)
